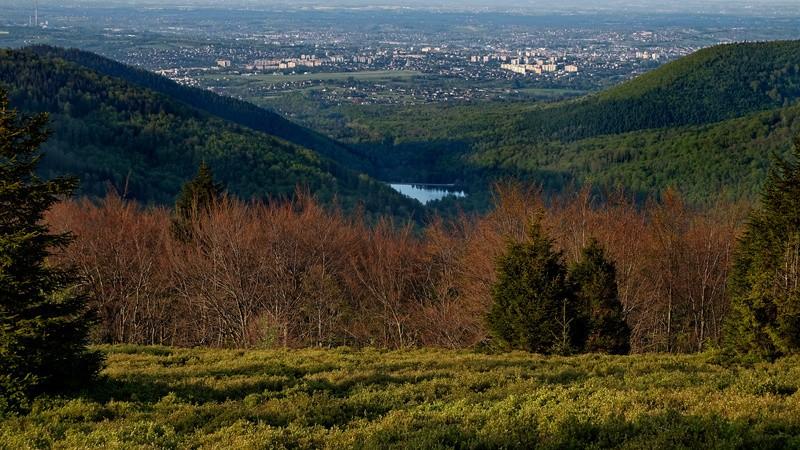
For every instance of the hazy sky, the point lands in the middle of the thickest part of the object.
(754, 7)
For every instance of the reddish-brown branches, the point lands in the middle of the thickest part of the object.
(294, 274)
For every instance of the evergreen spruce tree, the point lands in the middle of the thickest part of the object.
(601, 321)
(533, 306)
(765, 283)
(44, 321)
(197, 196)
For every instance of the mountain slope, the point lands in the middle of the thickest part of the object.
(106, 130)
(234, 110)
(730, 157)
(714, 84)
(706, 124)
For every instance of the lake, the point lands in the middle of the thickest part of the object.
(425, 193)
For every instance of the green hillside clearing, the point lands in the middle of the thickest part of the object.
(156, 397)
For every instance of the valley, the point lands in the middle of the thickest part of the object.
(388, 224)
(675, 123)
(415, 97)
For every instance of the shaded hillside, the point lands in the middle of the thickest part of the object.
(729, 157)
(711, 85)
(106, 130)
(234, 110)
(706, 124)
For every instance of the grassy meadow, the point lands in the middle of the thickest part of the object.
(156, 397)
(369, 75)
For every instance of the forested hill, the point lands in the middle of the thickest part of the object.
(705, 124)
(109, 131)
(228, 108)
(711, 85)
(729, 158)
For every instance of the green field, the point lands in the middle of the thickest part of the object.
(551, 92)
(154, 397)
(375, 75)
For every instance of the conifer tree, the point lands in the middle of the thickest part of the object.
(601, 319)
(533, 307)
(765, 283)
(197, 196)
(44, 321)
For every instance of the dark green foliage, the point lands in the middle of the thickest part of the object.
(110, 131)
(765, 284)
(533, 305)
(228, 108)
(418, 399)
(540, 307)
(197, 196)
(200, 193)
(706, 123)
(43, 319)
(595, 280)
(711, 85)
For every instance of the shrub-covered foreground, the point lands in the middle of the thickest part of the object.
(161, 397)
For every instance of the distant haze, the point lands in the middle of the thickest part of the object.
(739, 7)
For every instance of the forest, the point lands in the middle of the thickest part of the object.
(115, 134)
(227, 108)
(296, 274)
(301, 304)
(713, 119)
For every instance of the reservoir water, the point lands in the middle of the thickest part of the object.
(425, 193)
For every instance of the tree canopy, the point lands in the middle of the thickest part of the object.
(44, 321)
(197, 196)
(765, 285)
(533, 306)
(603, 325)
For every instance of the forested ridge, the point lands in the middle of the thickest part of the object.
(705, 123)
(731, 157)
(146, 144)
(228, 108)
(235, 322)
(713, 84)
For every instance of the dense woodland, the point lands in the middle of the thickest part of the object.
(731, 156)
(295, 274)
(107, 132)
(711, 85)
(227, 108)
(705, 123)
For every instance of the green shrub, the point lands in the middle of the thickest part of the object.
(424, 398)
(44, 321)
(533, 306)
(765, 284)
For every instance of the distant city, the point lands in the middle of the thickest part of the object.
(342, 56)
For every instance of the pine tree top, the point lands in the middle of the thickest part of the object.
(199, 193)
